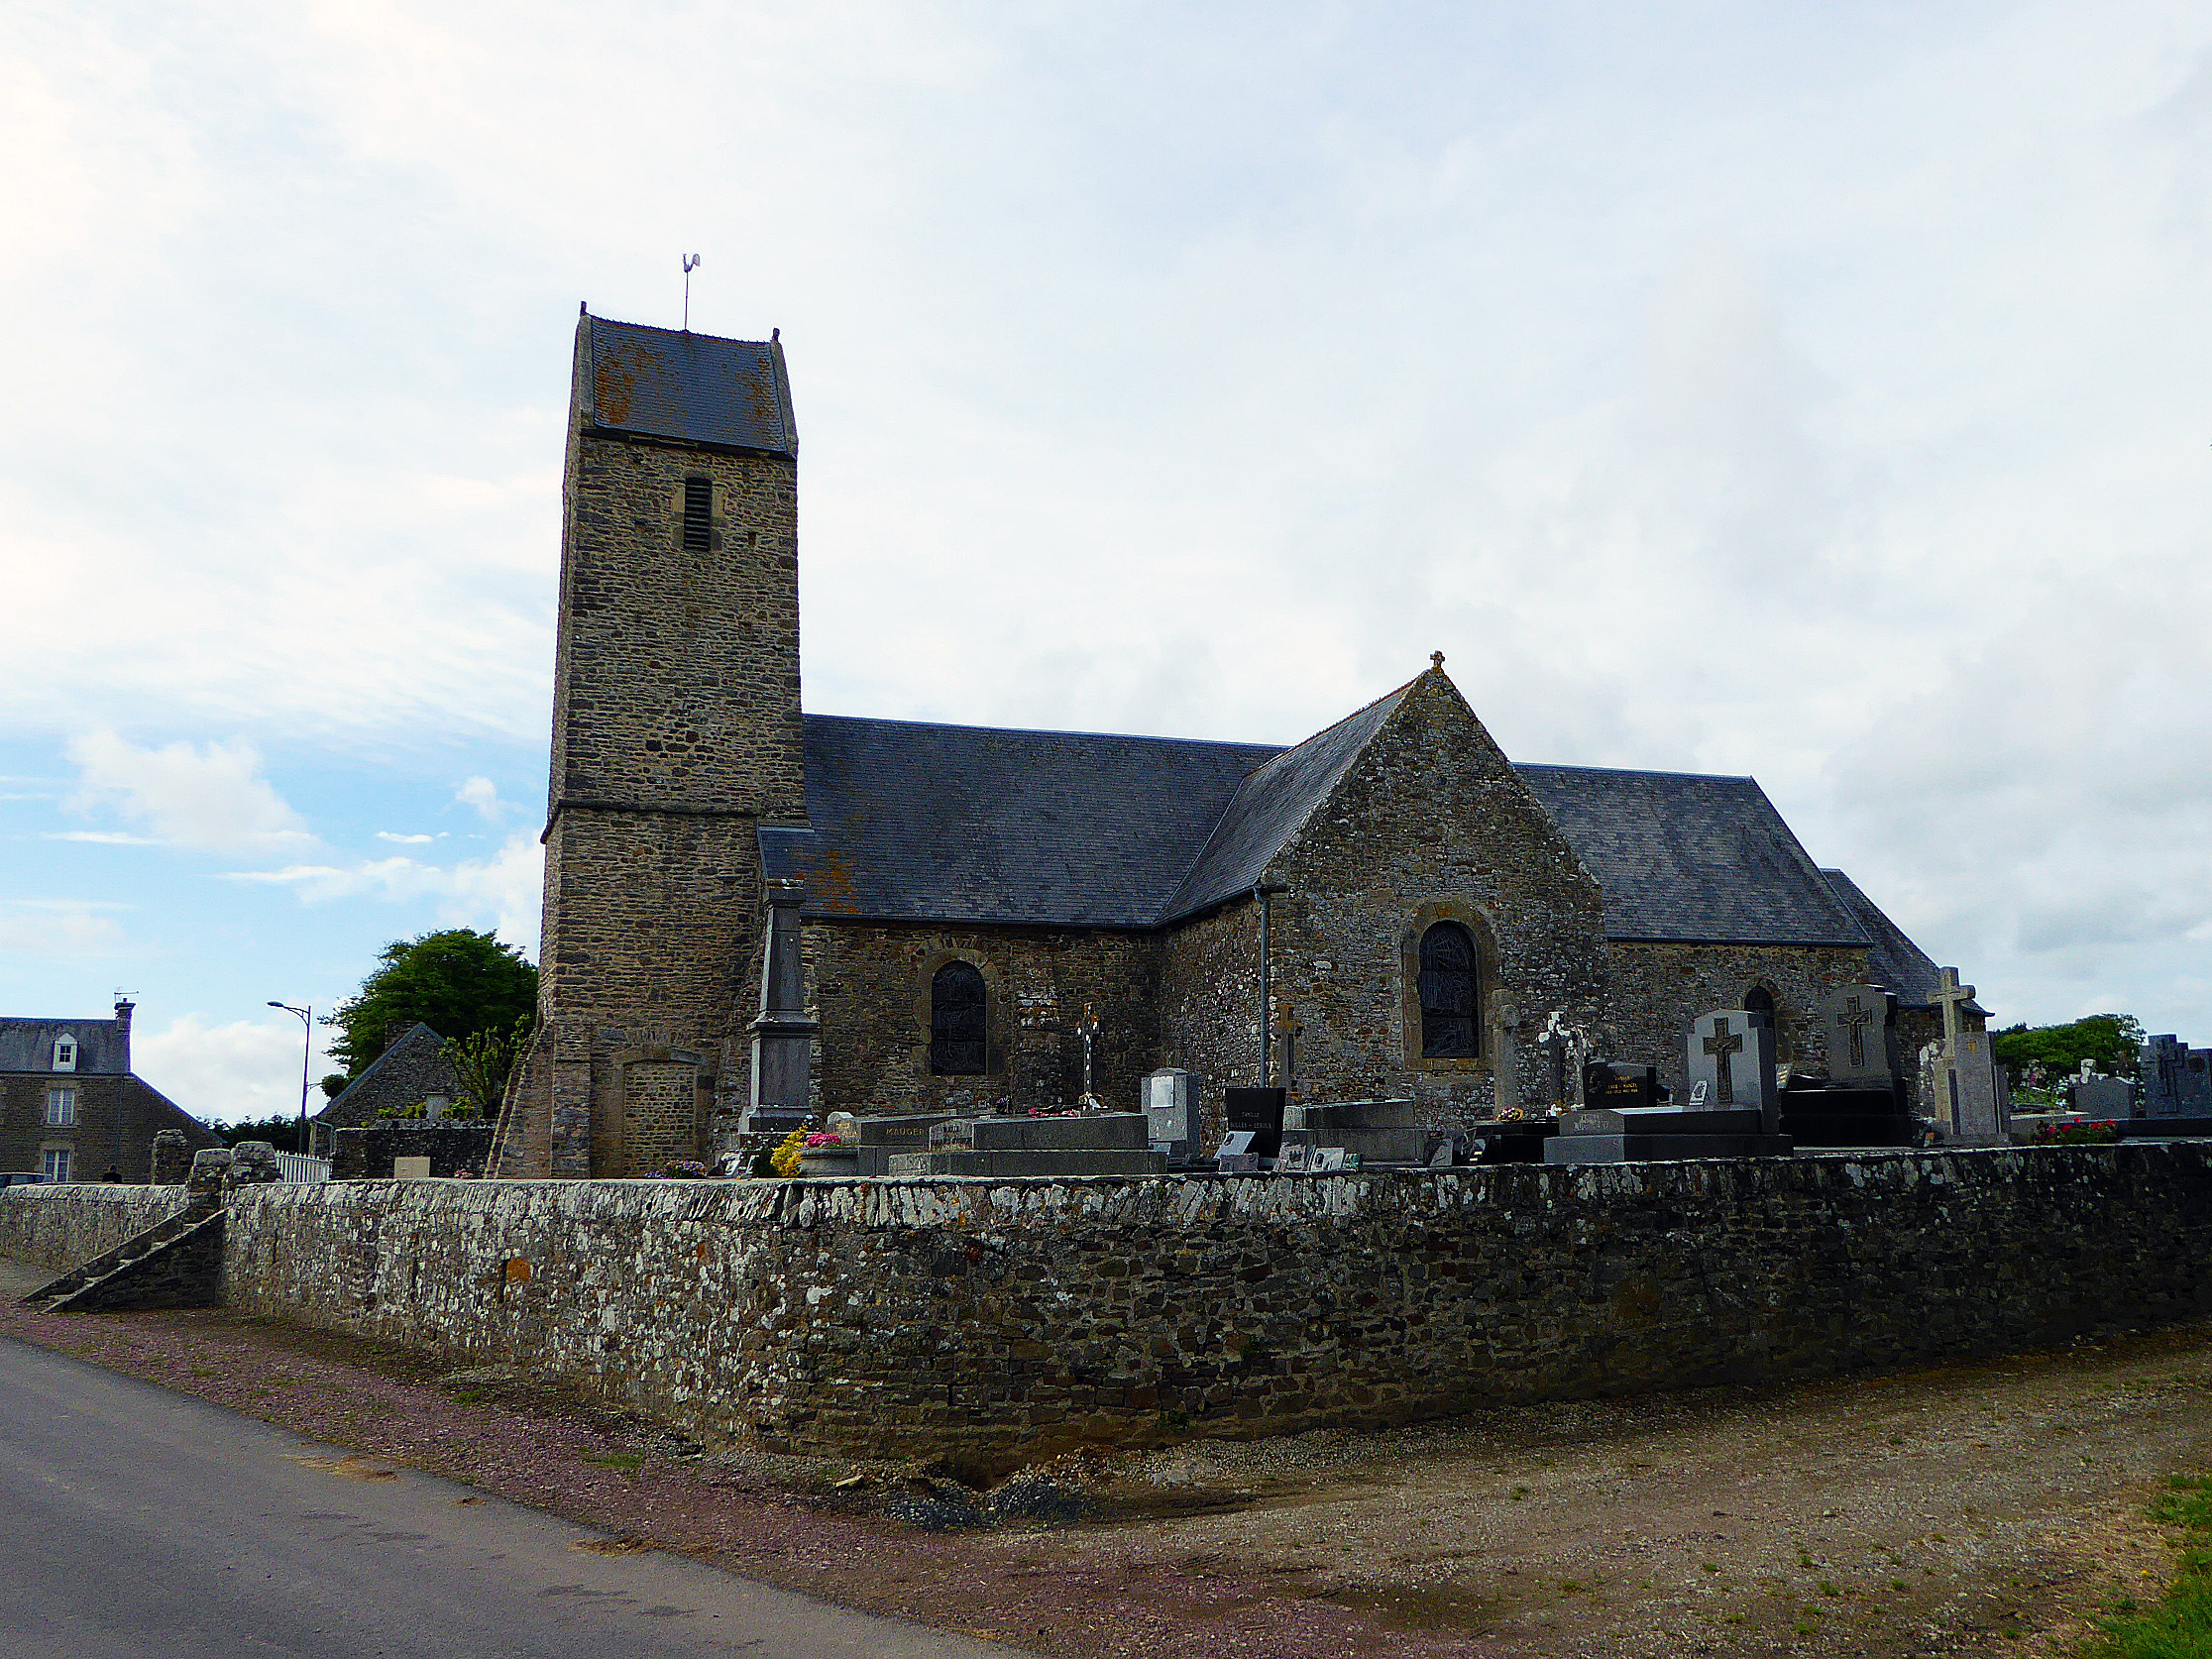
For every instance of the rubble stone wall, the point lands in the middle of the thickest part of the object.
(993, 1321)
(870, 990)
(1658, 989)
(59, 1227)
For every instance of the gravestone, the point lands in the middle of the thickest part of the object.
(1091, 1144)
(1234, 1155)
(1259, 1111)
(410, 1168)
(1962, 1077)
(1380, 1130)
(1608, 1085)
(1172, 1114)
(881, 1139)
(2176, 1080)
(2107, 1099)
(1862, 1100)
(1860, 1022)
(1731, 1051)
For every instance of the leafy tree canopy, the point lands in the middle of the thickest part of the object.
(279, 1129)
(2109, 1041)
(459, 983)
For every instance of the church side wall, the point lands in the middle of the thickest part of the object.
(1209, 1007)
(1658, 989)
(870, 990)
(996, 1321)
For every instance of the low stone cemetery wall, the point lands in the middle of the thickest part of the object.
(61, 1226)
(993, 1321)
(366, 1153)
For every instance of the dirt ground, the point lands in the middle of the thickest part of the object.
(1986, 1509)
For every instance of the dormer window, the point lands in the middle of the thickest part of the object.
(64, 1053)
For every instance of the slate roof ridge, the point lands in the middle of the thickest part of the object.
(1636, 772)
(370, 1070)
(1059, 732)
(1190, 894)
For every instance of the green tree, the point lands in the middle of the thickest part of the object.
(279, 1129)
(2109, 1041)
(459, 983)
(482, 1064)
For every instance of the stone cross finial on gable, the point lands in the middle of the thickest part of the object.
(1436, 661)
(1950, 994)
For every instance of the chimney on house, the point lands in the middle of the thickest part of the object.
(123, 1007)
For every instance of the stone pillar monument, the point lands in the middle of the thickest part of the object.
(783, 1036)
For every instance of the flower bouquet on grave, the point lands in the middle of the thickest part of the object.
(685, 1169)
(2076, 1133)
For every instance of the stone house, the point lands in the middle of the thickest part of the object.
(412, 1069)
(72, 1109)
(1400, 908)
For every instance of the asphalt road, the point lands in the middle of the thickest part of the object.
(141, 1524)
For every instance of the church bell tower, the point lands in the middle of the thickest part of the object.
(676, 735)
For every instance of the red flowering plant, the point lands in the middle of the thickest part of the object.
(821, 1137)
(2076, 1133)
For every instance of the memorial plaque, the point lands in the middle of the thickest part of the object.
(1608, 1083)
(1258, 1111)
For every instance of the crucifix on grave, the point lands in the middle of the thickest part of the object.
(1950, 995)
(1087, 1029)
(1854, 1019)
(1721, 1044)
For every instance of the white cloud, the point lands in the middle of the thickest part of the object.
(57, 930)
(484, 795)
(104, 837)
(245, 1068)
(410, 840)
(502, 892)
(211, 798)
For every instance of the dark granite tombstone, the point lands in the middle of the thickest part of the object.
(1608, 1085)
(1860, 1024)
(1729, 1050)
(1258, 1111)
(1862, 1100)
(1234, 1155)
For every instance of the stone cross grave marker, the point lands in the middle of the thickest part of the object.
(2165, 1065)
(1731, 1051)
(1862, 1026)
(1965, 1079)
(1089, 1032)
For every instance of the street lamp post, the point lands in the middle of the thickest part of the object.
(307, 1058)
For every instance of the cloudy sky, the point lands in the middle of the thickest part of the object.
(1817, 392)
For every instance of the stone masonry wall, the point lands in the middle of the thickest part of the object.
(1432, 824)
(59, 1227)
(870, 990)
(1209, 1006)
(1659, 989)
(994, 1321)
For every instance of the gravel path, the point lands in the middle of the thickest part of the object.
(1979, 1508)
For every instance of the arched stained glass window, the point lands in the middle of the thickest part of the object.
(957, 1020)
(1450, 1029)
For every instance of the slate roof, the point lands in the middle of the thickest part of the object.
(28, 1045)
(658, 383)
(1271, 804)
(1688, 858)
(1895, 961)
(914, 823)
(919, 823)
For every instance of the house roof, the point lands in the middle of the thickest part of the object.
(405, 1061)
(658, 383)
(1689, 858)
(1896, 963)
(27, 1045)
(919, 823)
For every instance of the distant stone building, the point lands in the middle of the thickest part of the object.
(72, 1109)
(1419, 915)
(412, 1069)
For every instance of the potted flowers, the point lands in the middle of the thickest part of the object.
(829, 1153)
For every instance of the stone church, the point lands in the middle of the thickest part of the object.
(1391, 908)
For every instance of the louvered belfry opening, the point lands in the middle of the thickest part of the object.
(957, 1020)
(1449, 1027)
(699, 514)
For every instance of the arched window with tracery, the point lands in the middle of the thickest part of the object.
(1450, 1029)
(956, 1024)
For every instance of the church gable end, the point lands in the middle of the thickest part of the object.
(1427, 825)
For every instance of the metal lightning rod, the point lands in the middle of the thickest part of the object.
(691, 264)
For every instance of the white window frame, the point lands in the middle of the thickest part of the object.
(56, 1162)
(62, 1108)
(64, 1053)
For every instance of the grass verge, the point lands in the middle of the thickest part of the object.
(2180, 1626)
